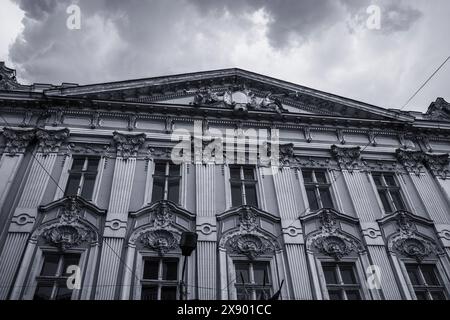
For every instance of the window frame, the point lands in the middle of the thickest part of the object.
(35, 274)
(358, 270)
(242, 182)
(166, 177)
(442, 288)
(387, 191)
(252, 286)
(83, 173)
(316, 185)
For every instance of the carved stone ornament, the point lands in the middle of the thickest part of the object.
(408, 242)
(163, 217)
(239, 98)
(247, 220)
(347, 157)
(439, 110)
(411, 160)
(438, 164)
(250, 245)
(51, 140)
(17, 140)
(330, 240)
(8, 79)
(69, 232)
(128, 145)
(161, 241)
(161, 153)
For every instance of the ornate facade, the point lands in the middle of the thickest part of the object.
(357, 206)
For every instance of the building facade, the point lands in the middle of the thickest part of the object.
(353, 204)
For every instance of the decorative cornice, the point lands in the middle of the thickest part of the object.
(17, 141)
(127, 146)
(347, 157)
(49, 141)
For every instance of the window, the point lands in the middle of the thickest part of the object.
(389, 192)
(426, 282)
(253, 280)
(317, 188)
(160, 279)
(341, 281)
(243, 186)
(166, 182)
(52, 281)
(82, 177)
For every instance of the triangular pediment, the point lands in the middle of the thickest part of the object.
(230, 88)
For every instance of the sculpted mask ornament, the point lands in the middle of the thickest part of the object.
(161, 241)
(330, 240)
(250, 245)
(128, 145)
(17, 140)
(163, 216)
(248, 220)
(408, 242)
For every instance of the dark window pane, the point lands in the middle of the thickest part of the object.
(325, 196)
(321, 177)
(353, 295)
(307, 176)
(249, 174)
(236, 194)
(243, 294)
(242, 273)
(73, 184)
(170, 269)
(77, 164)
(421, 295)
(160, 169)
(250, 195)
(88, 186)
(158, 189)
(70, 260)
(437, 295)
(174, 170)
(63, 293)
(93, 164)
(335, 294)
(330, 274)
(390, 180)
(430, 275)
(377, 180)
(149, 293)
(151, 268)
(398, 201)
(312, 199)
(385, 201)
(260, 273)
(347, 274)
(413, 276)
(43, 292)
(235, 173)
(173, 189)
(50, 267)
(169, 293)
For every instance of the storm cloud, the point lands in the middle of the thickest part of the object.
(322, 44)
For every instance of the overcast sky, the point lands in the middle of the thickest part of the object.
(322, 44)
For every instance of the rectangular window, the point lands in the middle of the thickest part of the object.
(426, 282)
(389, 192)
(82, 177)
(317, 188)
(341, 281)
(253, 281)
(166, 182)
(52, 280)
(243, 186)
(160, 279)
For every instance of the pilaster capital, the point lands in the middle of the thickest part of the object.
(127, 146)
(349, 158)
(17, 140)
(49, 141)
